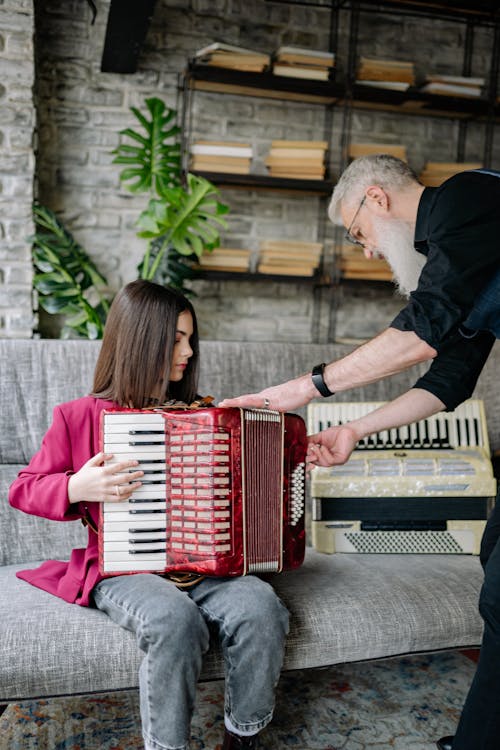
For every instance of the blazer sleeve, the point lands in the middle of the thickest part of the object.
(41, 489)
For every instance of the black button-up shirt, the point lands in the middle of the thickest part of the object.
(458, 229)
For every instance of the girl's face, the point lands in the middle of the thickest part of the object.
(182, 348)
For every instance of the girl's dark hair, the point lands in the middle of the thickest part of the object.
(138, 343)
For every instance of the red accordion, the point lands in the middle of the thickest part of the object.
(223, 492)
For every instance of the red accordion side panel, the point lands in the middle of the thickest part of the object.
(223, 492)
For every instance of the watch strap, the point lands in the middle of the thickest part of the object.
(318, 380)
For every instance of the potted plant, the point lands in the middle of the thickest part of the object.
(183, 215)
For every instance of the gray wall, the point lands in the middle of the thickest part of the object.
(80, 111)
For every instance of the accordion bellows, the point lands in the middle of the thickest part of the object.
(223, 492)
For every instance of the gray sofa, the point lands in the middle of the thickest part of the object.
(343, 607)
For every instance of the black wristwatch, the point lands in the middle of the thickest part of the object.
(319, 380)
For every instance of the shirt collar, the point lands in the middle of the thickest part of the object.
(423, 214)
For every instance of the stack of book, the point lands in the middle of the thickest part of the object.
(237, 58)
(363, 149)
(289, 258)
(453, 85)
(352, 264)
(387, 74)
(436, 172)
(297, 62)
(302, 160)
(221, 156)
(225, 259)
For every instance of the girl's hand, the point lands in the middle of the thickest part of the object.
(104, 483)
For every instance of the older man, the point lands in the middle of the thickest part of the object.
(444, 248)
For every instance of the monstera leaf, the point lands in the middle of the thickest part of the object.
(68, 282)
(151, 163)
(184, 215)
(186, 220)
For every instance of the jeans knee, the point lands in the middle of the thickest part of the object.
(265, 614)
(181, 623)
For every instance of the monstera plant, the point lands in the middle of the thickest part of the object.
(183, 215)
(66, 279)
(181, 220)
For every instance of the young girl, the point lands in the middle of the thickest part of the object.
(149, 354)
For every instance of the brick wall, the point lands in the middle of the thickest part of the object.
(80, 111)
(16, 167)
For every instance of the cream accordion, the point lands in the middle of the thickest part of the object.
(425, 488)
(223, 492)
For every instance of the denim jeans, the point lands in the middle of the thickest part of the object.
(479, 726)
(485, 315)
(173, 628)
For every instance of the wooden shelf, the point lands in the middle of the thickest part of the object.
(265, 182)
(318, 279)
(477, 11)
(410, 102)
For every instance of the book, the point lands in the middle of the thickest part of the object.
(458, 80)
(225, 259)
(234, 161)
(232, 49)
(285, 270)
(224, 169)
(363, 149)
(299, 144)
(296, 71)
(214, 149)
(394, 85)
(435, 173)
(373, 69)
(352, 264)
(288, 53)
(223, 55)
(449, 89)
(297, 153)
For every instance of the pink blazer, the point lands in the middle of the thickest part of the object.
(42, 490)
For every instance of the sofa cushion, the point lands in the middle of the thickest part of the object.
(343, 608)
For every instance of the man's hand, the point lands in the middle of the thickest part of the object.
(285, 397)
(330, 447)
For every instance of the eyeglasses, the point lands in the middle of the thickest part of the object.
(348, 236)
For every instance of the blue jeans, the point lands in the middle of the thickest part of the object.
(485, 315)
(479, 726)
(173, 629)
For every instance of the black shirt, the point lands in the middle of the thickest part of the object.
(458, 229)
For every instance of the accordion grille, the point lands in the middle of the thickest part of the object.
(263, 490)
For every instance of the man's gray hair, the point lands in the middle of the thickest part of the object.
(375, 169)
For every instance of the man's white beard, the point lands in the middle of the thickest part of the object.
(394, 241)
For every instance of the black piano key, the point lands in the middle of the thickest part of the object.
(467, 432)
(149, 530)
(398, 442)
(146, 510)
(459, 432)
(476, 430)
(146, 442)
(426, 441)
(447, 434)
(407, 442)
(146, 432)
(146, 500)
(160, 550)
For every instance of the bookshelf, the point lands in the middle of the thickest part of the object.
(343, 94)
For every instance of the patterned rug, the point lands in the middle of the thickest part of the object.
(404, 704)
